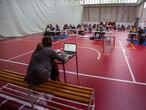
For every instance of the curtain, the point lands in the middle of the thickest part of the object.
(24, 17)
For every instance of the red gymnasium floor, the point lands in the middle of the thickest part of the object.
(119, 77)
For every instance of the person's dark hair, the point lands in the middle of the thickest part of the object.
(39, 47)
(47, 41)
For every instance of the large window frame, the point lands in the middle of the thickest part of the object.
(87, 2)
(144, 5)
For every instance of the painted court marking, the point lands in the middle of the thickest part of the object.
(8, 61)
(21, 55)
(54, 44)
(129, 67)
(132, 45)
(105, 78)
(99, 55)
(81, 74)
(85, 75)
(33, 50)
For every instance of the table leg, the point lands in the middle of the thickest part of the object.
(64, 73)
(77, 69)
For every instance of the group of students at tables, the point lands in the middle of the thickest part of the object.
(55, 32)
(137, 35)
(99, 30)
(122, 27)
(81, 29)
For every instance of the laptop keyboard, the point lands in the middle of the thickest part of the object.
(69, 53)
(66, 54)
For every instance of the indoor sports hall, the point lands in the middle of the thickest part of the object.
(102, 42)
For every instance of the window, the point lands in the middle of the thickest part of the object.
(84, 2)
(144, 4)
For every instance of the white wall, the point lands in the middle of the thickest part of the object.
(141, 13)
(121, 14)
(21, 17)
(143, 19)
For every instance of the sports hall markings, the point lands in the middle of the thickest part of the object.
(21, 55)
(31, 40)
(105, 78)
(99, 55)
(54, 43)
(33, 50)
(15, 62)
(85, 75)
(123, 50)
(129, 67)
(132, 45)
(10, 40)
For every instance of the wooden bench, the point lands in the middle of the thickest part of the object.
(65, 96)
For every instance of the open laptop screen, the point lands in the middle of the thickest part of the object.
(70, 47)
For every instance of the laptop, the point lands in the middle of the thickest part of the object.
(70, 48)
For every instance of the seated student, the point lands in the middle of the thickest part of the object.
(51, 27)
(132, 30)
(141, 36)
(144, 30)
(128, 27)
(90, 28)
(47, 27)
(47, 30)
(119, 27)
(81, 30)
(42, 65)
(57, 28)
(102, 33)
(122, 27)
(57, 32)
(63, 34)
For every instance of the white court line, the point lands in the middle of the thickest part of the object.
(10, 40)
(31, 40)
(131, 72)
(20, 63)
(32, 50)
(99, 55)
(85, 75)
(53, 44)
(3, 102)
(20, 55)
(105, 78)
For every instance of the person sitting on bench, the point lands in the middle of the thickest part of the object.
(42, 65)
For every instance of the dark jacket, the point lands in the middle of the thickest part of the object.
(40, 66)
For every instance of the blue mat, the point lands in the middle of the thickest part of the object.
(136, 42)
(144, 44)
